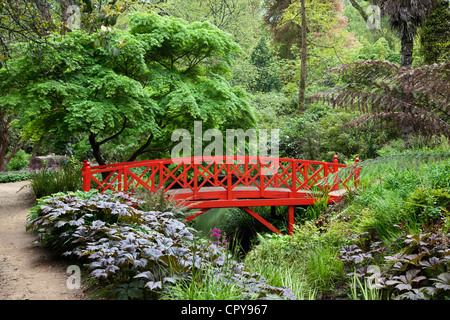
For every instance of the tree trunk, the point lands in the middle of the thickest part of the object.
(407, 50)
(302, 87)
(96, 149)
(406, 124)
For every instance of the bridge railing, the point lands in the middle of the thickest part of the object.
(195, 174)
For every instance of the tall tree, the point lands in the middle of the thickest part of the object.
(405, 17)
(303, 59)
(130, 87)
(267, 78)
(315, 18)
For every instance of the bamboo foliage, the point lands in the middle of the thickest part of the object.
(388, 94)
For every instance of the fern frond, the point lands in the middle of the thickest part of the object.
(404, 96)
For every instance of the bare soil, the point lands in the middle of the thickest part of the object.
(28, 271)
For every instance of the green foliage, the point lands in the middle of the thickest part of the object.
(380, 50)
(383, 92)
(267, 78)
(13, 176)
(131, 87)
(319, 134)
(19, 161)
(242, 227)
(435, 34)
(392, 191)
(161, 202)
(48, 181)
(308, 251)
(428, 205)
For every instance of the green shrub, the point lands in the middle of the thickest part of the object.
(439, 175)
(19, 161)
(322, 268)
(48, 181)
(242, 228)
(307, 252)
(427, 206)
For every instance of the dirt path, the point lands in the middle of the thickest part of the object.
(27, 271)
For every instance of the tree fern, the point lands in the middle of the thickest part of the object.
(413, 99)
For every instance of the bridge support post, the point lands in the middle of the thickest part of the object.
(195, 215)
(261, 219)
(291, 220)
(86, 172)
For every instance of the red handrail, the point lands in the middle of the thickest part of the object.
(227, 181)
(228, 172)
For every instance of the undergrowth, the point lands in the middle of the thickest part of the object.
(401, 198)
(135, 254)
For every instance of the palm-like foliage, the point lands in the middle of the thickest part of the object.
(406, 16)
(413, 99)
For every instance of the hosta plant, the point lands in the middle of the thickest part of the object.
(135, 253)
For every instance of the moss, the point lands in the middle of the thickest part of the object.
(435, 34)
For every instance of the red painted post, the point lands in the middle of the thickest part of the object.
(229, 182)
(291, 220)
(246, 173)
(294, 178)
(336, 177)
(261, 179)
(356, 172)
(161, 175)
(216, 174)
(86, 172)
(125, 179)
(195, 180)
(184, 175)
(120, 173)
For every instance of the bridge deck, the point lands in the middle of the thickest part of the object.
(217, 197)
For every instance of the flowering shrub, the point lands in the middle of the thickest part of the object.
(135, 253)
(216, 235)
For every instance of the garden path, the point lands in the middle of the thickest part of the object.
(27, 271)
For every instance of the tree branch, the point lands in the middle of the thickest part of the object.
(125, 120)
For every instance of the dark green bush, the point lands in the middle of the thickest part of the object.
(19, 161)
(427, 206)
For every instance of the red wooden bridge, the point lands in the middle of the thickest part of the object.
(204, 183)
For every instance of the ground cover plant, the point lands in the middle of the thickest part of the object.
(14, 176)
(137, 254)
(418, 271)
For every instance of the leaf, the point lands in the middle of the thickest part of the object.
(442, 281)
(152, 252)
(146, 275)
(432, 263)
(153, 285)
